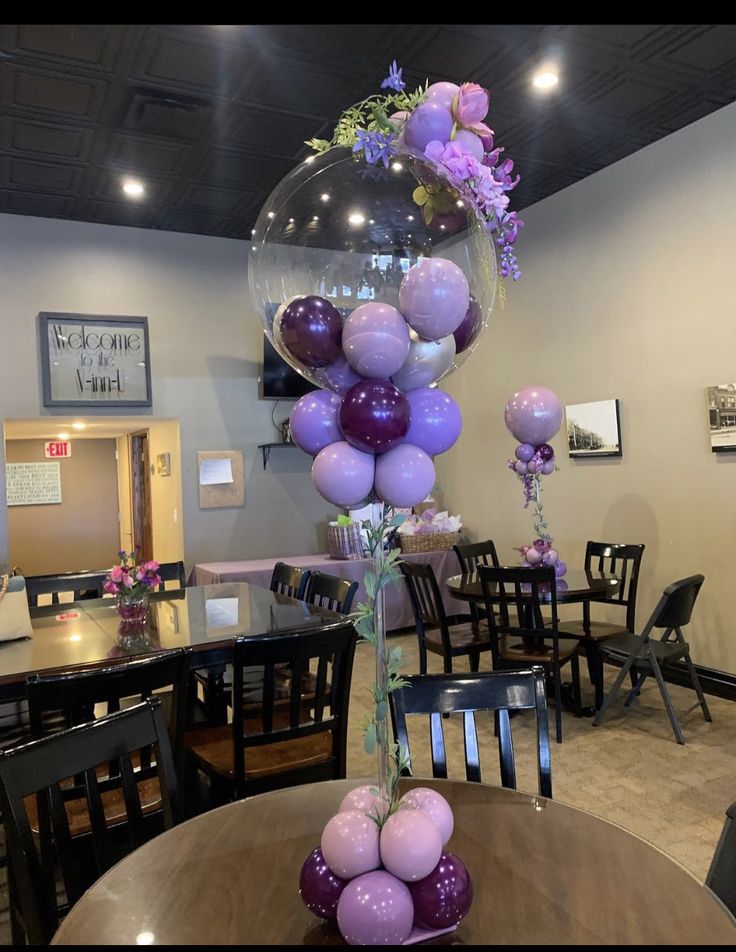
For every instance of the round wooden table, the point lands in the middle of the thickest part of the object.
(544, 873)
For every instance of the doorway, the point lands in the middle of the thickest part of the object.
(140, 482)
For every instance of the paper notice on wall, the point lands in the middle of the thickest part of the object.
(221, 612)
(33, 484)
(216, 472)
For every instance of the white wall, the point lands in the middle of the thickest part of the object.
(205, 351)
(628, 291)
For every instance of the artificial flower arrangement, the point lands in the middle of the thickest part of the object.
(130, 577)
(428, 522)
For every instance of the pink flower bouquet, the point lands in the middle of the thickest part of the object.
(130, 577)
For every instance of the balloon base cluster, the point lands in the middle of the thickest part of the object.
(388, 881)
(541, 554)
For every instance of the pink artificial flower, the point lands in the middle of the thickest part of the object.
(110, 587)
(151, 566)
(154, 581)
(470, 105)
(116, 573)
(140, 575)
(128, 581)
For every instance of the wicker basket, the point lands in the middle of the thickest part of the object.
(344, 542)
(428, 541)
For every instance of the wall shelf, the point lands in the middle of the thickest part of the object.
(266, 448)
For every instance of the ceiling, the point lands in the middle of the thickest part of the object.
(96, 428)
(210, 118)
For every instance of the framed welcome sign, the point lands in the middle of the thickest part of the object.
(91, 360)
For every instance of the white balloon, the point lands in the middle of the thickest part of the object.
(427, 362)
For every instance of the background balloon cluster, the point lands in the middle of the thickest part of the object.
(378, 423)
(379, 884)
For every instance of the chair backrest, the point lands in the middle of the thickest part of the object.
(272, 678)
(289, 580)
(721, 876)
(40, 767)
(329, 591)
(172, 572)
(623, 560)
(80, 584)
(495, 691)
(472, 553)
(517, 595)
(675, 607)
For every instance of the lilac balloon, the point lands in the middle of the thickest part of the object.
(374, 416)
(445, 896)
(342, 474)
(428, 361)
(533, 415)
(319, 887)
(443, 94)
(521, 467)
(435, 806)
(428, 122)
(434, 297)
(365, 799)
(469, 142)
(560, 568)
(524, 452)
(350, 844)
(404, 476)
(550, 557)
(436, 420)
(470, 327)
(548, 467)
(375, 909)
(311, 330)
(546, 452)
(375, 340)
(532, 556)
(313, 421)
(338, 376)
(411, 844)
(532, 466)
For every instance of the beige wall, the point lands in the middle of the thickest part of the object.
(81, 532)
(628, 292)
(168, 539)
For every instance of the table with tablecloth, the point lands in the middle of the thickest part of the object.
(398, 608)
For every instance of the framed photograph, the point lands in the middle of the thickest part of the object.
(163, 464)
(721, 400)
(593, 429)
(92, 360)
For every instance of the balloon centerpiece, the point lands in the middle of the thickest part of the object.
(533, 416)
(373, 271)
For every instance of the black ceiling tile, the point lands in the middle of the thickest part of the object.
(53, 93)
(305, 88)
(91, 46)
(204, 198)
(199, 223)
(152, 112)
(239, 168)
(107, 184)
(629, 96)
(43, 176)
(44, 138)
(711, 49)
(442, 53)
(171, 59)
(46, 205)
(623, 36)
(275, 132)
(118, 213)
(136, 153)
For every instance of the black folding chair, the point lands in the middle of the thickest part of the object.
(721, 876)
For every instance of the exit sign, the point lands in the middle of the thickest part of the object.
(58, 449)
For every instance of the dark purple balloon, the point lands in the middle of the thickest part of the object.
(319, 888)
(546, 452)
(311, 329)
(444, 897)
(470, 328)
(374, 416)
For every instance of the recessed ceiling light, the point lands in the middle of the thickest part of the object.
(397, 166)
(75, 637)
(459, 203)
(252, 231)
(371, 221)
(545, 79)
(410, 218)
(442, 227)
(271, 214)
(62, 436)
(291, 221)
(355, 218)
(133, 188)
(325, 197)
(79, 425)
(315, 217)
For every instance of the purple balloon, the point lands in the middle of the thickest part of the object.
(560, 569)
(524, 452)
(311, 330)
(434, 297)
(470, 327)
(374, 416)
(319, 888)
(436, 420)
(445, 896)
(430, 121)
(342, 474)
(533, 415)
(443, 94)
(521, 467)
(404, 476)
(375, 909)
(313, 421)
(548, 467)
(532, 466)
(411, 844)
(546, 452)
(375, 340)
(338, 376)
(469, 142)
(350, 844)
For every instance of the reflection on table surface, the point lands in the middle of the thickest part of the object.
(575, 585)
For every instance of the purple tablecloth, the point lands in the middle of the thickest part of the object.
(398, 607)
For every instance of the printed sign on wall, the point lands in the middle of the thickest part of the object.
(33, 484)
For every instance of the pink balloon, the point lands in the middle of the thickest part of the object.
(443, 94)
(375, 909)
(404, 475)
(375, 339)
(313, 421)
(411, 844)
(470, 142)
(365, 799)
(436, 808)
(533, 415)
(436, 420)
(434, 297)
(343, 474)
(428, 122)
(350, 844)
(533, 556)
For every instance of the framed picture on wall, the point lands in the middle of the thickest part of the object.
(93, 360)
(721, 400)
(593, 429)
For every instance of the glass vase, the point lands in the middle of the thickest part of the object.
(133, 611)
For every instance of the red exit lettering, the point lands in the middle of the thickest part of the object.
(58, 450)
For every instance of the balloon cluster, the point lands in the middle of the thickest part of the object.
(540, 553)
(382, 877)
(379, 423)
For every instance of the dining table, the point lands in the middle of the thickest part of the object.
(543, 873)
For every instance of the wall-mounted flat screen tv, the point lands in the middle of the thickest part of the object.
(279, 380)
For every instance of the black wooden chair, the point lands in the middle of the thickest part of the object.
(721, 876)
(289, 580)
(520, 634)
(496, 691)
(79, 584)
(644, 656)
(45, 768)
(434, 630)
(329, 591)
(281, 734)
(470, 555)
(171, 572)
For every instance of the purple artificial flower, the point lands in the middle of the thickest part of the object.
(459, 163)
(470, 105)
(376, 146)
(394, 80)
(502, 174)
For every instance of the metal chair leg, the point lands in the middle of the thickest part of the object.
(558, 703)
(600, 714)
(698, 688)
(667, 700)
(636, 690)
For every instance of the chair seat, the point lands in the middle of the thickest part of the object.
(512, 649)
(466, 635)
(599, 630)
(212, 748)
(621, 646)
